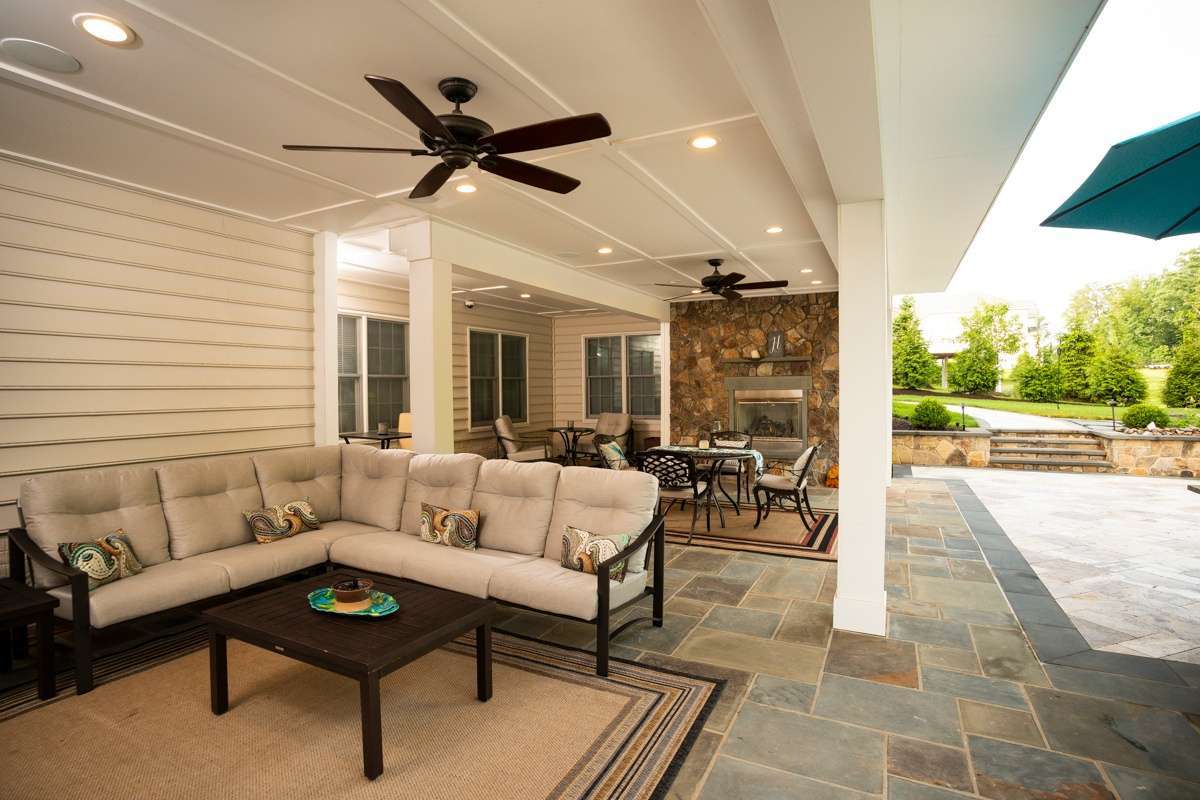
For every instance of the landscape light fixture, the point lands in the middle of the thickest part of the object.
(1112, 404)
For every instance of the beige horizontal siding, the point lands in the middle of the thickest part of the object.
(356, 296)
(137, 329)
(569, 334)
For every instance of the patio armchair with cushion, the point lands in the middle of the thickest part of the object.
(609, 423)
(678, 482)
(739, 469)
(608, 459)
(514, 447)
(793, 485)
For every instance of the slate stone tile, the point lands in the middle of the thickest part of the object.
(966, 543)
(698, 559)
(950, 658)
(1003, 653)
(1011, 559)
(900, 789)
(895, 573)
(731, 779)
(916, 530)
(1119, 732)
(572, 634)
(1188, 672)
(687, 607)
(715, 589)
(1006, 771)
(790, 582)
(928, 763)
(933, 570)
(1039, 610)
(921, 715)
(973, 687)
(1051, 642)
(806, 623)
(528, 623)
(817, 748)
(898, 592)
(752, 654)
(1134, 785)
(743, 620)
(930, 631)
(743, 570)
(872, 658)
(828, 588)
(1000, 723)
(1121, 687)
(783, 693)
(1150, 669)
(762, 602)
(895, 545)
(932, 541)
(1020, 581)
(912, 608)
(691, 774)
(958, 594)
(998, 619)
(737, 683)
(965, 570)
(663, 640)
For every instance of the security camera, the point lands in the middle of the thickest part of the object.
(469, 303)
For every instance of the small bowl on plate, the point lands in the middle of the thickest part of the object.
(353, 591)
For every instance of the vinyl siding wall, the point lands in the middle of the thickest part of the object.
(568, 365)
(135, 329)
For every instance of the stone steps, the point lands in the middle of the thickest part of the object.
(1056, 441)
(1050, 464)
(1048, 451)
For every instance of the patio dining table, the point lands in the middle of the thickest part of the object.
(715, 457)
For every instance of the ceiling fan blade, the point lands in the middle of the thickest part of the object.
(731, 278)
(336, 149)
(678, 297)
(410, 106)
(675, 285)
(553, 133)
(432, 181)
(762, 285)
(730, 294)
(530, 174)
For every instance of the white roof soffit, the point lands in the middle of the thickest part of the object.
(961, 85)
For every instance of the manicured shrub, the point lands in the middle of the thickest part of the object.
(913, 367)
(1142, 414)
(1183, 381)
(930, 415)
(1076, 349)
(1038, 379)
(975, 370)
(1113, 375)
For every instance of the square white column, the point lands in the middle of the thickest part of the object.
(864, 418)
(325, 333)
(431, 386)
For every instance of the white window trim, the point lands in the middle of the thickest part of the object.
(360, 400)
(624, 370)
(499, 376)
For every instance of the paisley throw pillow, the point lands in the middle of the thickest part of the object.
(582, 551)
(456, 528)
(103, 560)
(273, 523)
(614, 456)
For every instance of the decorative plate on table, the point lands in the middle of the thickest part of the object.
(380, 604)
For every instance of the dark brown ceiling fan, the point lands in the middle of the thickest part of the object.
(724, 285)
(459, 139)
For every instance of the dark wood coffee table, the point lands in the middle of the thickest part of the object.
(362, 648)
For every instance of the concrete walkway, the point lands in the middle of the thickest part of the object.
(1007, 420)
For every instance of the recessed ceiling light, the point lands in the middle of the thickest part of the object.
(525, 295)
(106, 29)
(816, 282)
(775, 229)
(465, 188)
(604, 250)
(703, 142)
(806, 270)
(491, 288)
(697, 291)
(40, 55)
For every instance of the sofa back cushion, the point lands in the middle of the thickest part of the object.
(305, 473)
(78, 506)
(603, 502)
(515, 501)
(204, 501)
(373, 485)
(438, 479)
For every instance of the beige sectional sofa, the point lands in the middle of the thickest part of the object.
(185, 522)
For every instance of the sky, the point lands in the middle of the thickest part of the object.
(1136, 70)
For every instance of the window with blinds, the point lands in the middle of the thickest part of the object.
(603, 374)
(623, 372)
(348, 374)
(645, 375)
(372, 372)
(498, 377)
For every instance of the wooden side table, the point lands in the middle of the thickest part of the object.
(21, 606)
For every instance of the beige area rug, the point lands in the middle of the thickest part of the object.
(551, 730)
(783, 533)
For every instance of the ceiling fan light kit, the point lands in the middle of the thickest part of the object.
(461, 140)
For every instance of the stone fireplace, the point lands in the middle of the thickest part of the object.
(712, 367)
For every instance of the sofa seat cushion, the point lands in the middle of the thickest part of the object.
(330, 532)
(248, 564)
(87, 504)
(465, 571)
(373, 485)
(156, 588)
(303, 473)
(381, 551)
(543, 584)
(443, 480)
(515, 502)
(204, 499)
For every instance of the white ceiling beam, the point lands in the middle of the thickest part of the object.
(748, 35)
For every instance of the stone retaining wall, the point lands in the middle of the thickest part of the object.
(969, 448)
(1175, 456)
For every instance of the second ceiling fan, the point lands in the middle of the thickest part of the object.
(724, 285)
(460, 140)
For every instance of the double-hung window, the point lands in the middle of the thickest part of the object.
(372, 372)
(622, 372)
(499, 377)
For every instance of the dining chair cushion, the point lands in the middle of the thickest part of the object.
(508, 435)
(373, 484)
(515, 503)
(783, 483)
(613, 424)
(685, 492)
(445, 480)
(527, 455)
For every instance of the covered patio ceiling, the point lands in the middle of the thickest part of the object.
(813, 104)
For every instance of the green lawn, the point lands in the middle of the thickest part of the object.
(1155, 378)
(903, 407)
(1066, 410)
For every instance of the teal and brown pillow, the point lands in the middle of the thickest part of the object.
(273, 523)
(614, 456)
(583, 550)
(456, 528)
(103, 560)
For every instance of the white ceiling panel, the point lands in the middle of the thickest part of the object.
(643, 275)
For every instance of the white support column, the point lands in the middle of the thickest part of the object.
(664, 394)
(431, 387)
(864, 418)
(325, 333)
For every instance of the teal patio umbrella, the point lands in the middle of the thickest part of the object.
(1148, 185)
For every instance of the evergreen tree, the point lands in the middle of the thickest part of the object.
(1038, 378)
(1113, 375)
(1183, 381)
(913, 367)
(1076, 350)
(975, 370)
